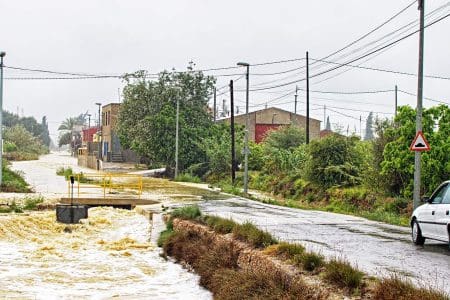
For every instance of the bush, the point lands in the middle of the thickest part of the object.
(9, 147)
(335, 161)
(164, 236)
(66, 172)
(396, 288)
(31, 203)
(249, 233)
(311, 261)
(186, 177)
(13, 182)
(220, 225)
(191, 212)
(343, 274)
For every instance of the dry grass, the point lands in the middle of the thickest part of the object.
(403, 289)
(251, 234)
(218, 271)
(343, 274)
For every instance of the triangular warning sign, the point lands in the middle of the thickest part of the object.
(419, 143)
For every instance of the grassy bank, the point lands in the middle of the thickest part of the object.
(12, 181)
(219, 271)
(29, 203)
(297, 193)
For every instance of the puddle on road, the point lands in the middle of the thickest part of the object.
(108, 256)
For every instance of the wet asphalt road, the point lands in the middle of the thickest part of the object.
(374, 247)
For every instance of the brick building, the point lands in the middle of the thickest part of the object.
(264, 120)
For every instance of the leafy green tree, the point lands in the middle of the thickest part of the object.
(286, 137)
(335, 161)
(373, 177)
(147, 116)
(283, 151)
(217, 147)
(30, 124)
(23, 140)
(66, 129)
(399, 160)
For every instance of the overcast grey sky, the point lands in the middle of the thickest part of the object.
(117, 36)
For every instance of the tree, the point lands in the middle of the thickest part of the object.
(328, 127)
(45, 135)
(369, 128)
(23, 140)
(66, 129)
(399, 160)
(286, 137)
(335, 161)
(146, 121)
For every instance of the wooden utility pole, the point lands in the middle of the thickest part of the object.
(307, 97)
(417, 157)
(233, 150)
(214, 109)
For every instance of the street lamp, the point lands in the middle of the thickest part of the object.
(247, 121)
(99, 131)
(89, 122)
(2, 54)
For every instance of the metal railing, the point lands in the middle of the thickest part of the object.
(95, 184)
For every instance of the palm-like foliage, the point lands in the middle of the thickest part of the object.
(66, 128)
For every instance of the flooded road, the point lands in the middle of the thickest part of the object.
(110, 256)
(374, 247)
(113, 255)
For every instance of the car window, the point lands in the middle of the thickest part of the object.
(437, 198)
(446, 198)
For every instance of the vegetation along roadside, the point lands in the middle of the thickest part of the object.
(240, 261)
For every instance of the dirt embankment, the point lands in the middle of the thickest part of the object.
(296, 283)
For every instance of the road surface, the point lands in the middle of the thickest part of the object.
(374, 247)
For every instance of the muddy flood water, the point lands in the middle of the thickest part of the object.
(110, 256)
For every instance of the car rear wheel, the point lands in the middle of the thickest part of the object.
(417, 237)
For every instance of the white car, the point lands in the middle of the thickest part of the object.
(432, 219)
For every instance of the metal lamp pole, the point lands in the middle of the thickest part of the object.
(247, 124)
(2, 54)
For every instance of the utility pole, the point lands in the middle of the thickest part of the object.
(176, 137)
(215, 109)
(295, 101)
(89, 122)
(324, 116)
(307, 97)
(247, 125)
(396, 99)
(360, 128)
(417, 156)
(2, 54)
(233, 150)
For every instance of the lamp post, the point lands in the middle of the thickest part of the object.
(247, 121)
(99, 131)
(2, 54)
(89, 122)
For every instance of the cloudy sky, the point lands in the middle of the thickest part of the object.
(118, 36)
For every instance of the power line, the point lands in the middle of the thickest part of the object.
(429, 99)
(382, 70)
(370, 32)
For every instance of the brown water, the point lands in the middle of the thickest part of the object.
(107, 257)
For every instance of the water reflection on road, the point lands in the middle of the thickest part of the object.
(376, 248)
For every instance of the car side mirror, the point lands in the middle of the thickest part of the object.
(426, 199)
